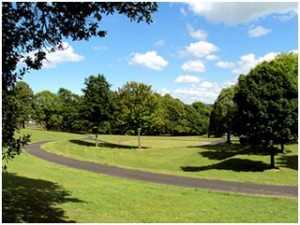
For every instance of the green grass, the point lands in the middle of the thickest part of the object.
(42, 135)
(122, 140)
(157, 141)
(222, 162)
(38, 191)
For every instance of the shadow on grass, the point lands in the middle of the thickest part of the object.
(225, 151)
(288, 161)
(218, 155)
(238, 165)
(27, 200)
(102, 144)
(82, 143)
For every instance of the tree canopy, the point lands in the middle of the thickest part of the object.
(267, 100)
(222, 114)
(48, 109)
(70, 112)
(137, 106)
(97, 104)
(24, 98)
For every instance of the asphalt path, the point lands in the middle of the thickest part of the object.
(215, 185)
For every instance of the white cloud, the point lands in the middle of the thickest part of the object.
(201, 49)
(198, 34)
(60, 56)
(212, 57)
(232, 13)
(159, 43)
(183, 12)
(187, 79)
(99, 48)
(206, 84)
(150, 60)
(53, 59)
(249, 61)
(163, 91)
(206, 92)
(193, 66)
(268, 57)
(245, 63)
(287, 16)
(258, 31)
(226, 65)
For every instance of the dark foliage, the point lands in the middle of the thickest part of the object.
(267, 100)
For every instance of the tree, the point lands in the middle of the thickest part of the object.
(267, 100)
(137, 105)
(191, 121)
(98, 104)
(222, 114)
(24, 97)
(176, 120)
(12, 140)
(158, 123)
(30, 30)
(70, 110)
(289, 65)
(200, 122)
(48, 109)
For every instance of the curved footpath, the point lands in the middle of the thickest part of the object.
(216, 185)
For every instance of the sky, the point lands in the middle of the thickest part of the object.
(191, 50)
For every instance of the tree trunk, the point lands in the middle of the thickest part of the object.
(282, 148)
(96, 140)
(228, 138)
(139, 138)
(272, 158)
(47, 126)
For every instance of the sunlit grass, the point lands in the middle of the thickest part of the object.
(42, 135)
(38, 191)
(157, 141)
(220, 162)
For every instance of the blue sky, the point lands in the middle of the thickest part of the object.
(191, 50)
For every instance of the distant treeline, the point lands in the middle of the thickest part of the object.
(100, 110)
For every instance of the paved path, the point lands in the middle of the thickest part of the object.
(224, 186)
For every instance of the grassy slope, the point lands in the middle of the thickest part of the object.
(157, 141)
(38, 191)
(212, 162)
(42, 135)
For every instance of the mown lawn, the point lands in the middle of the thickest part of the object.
(224, 162)
(157, 141)
(34, 190)
(38, 191)
(42, 135)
